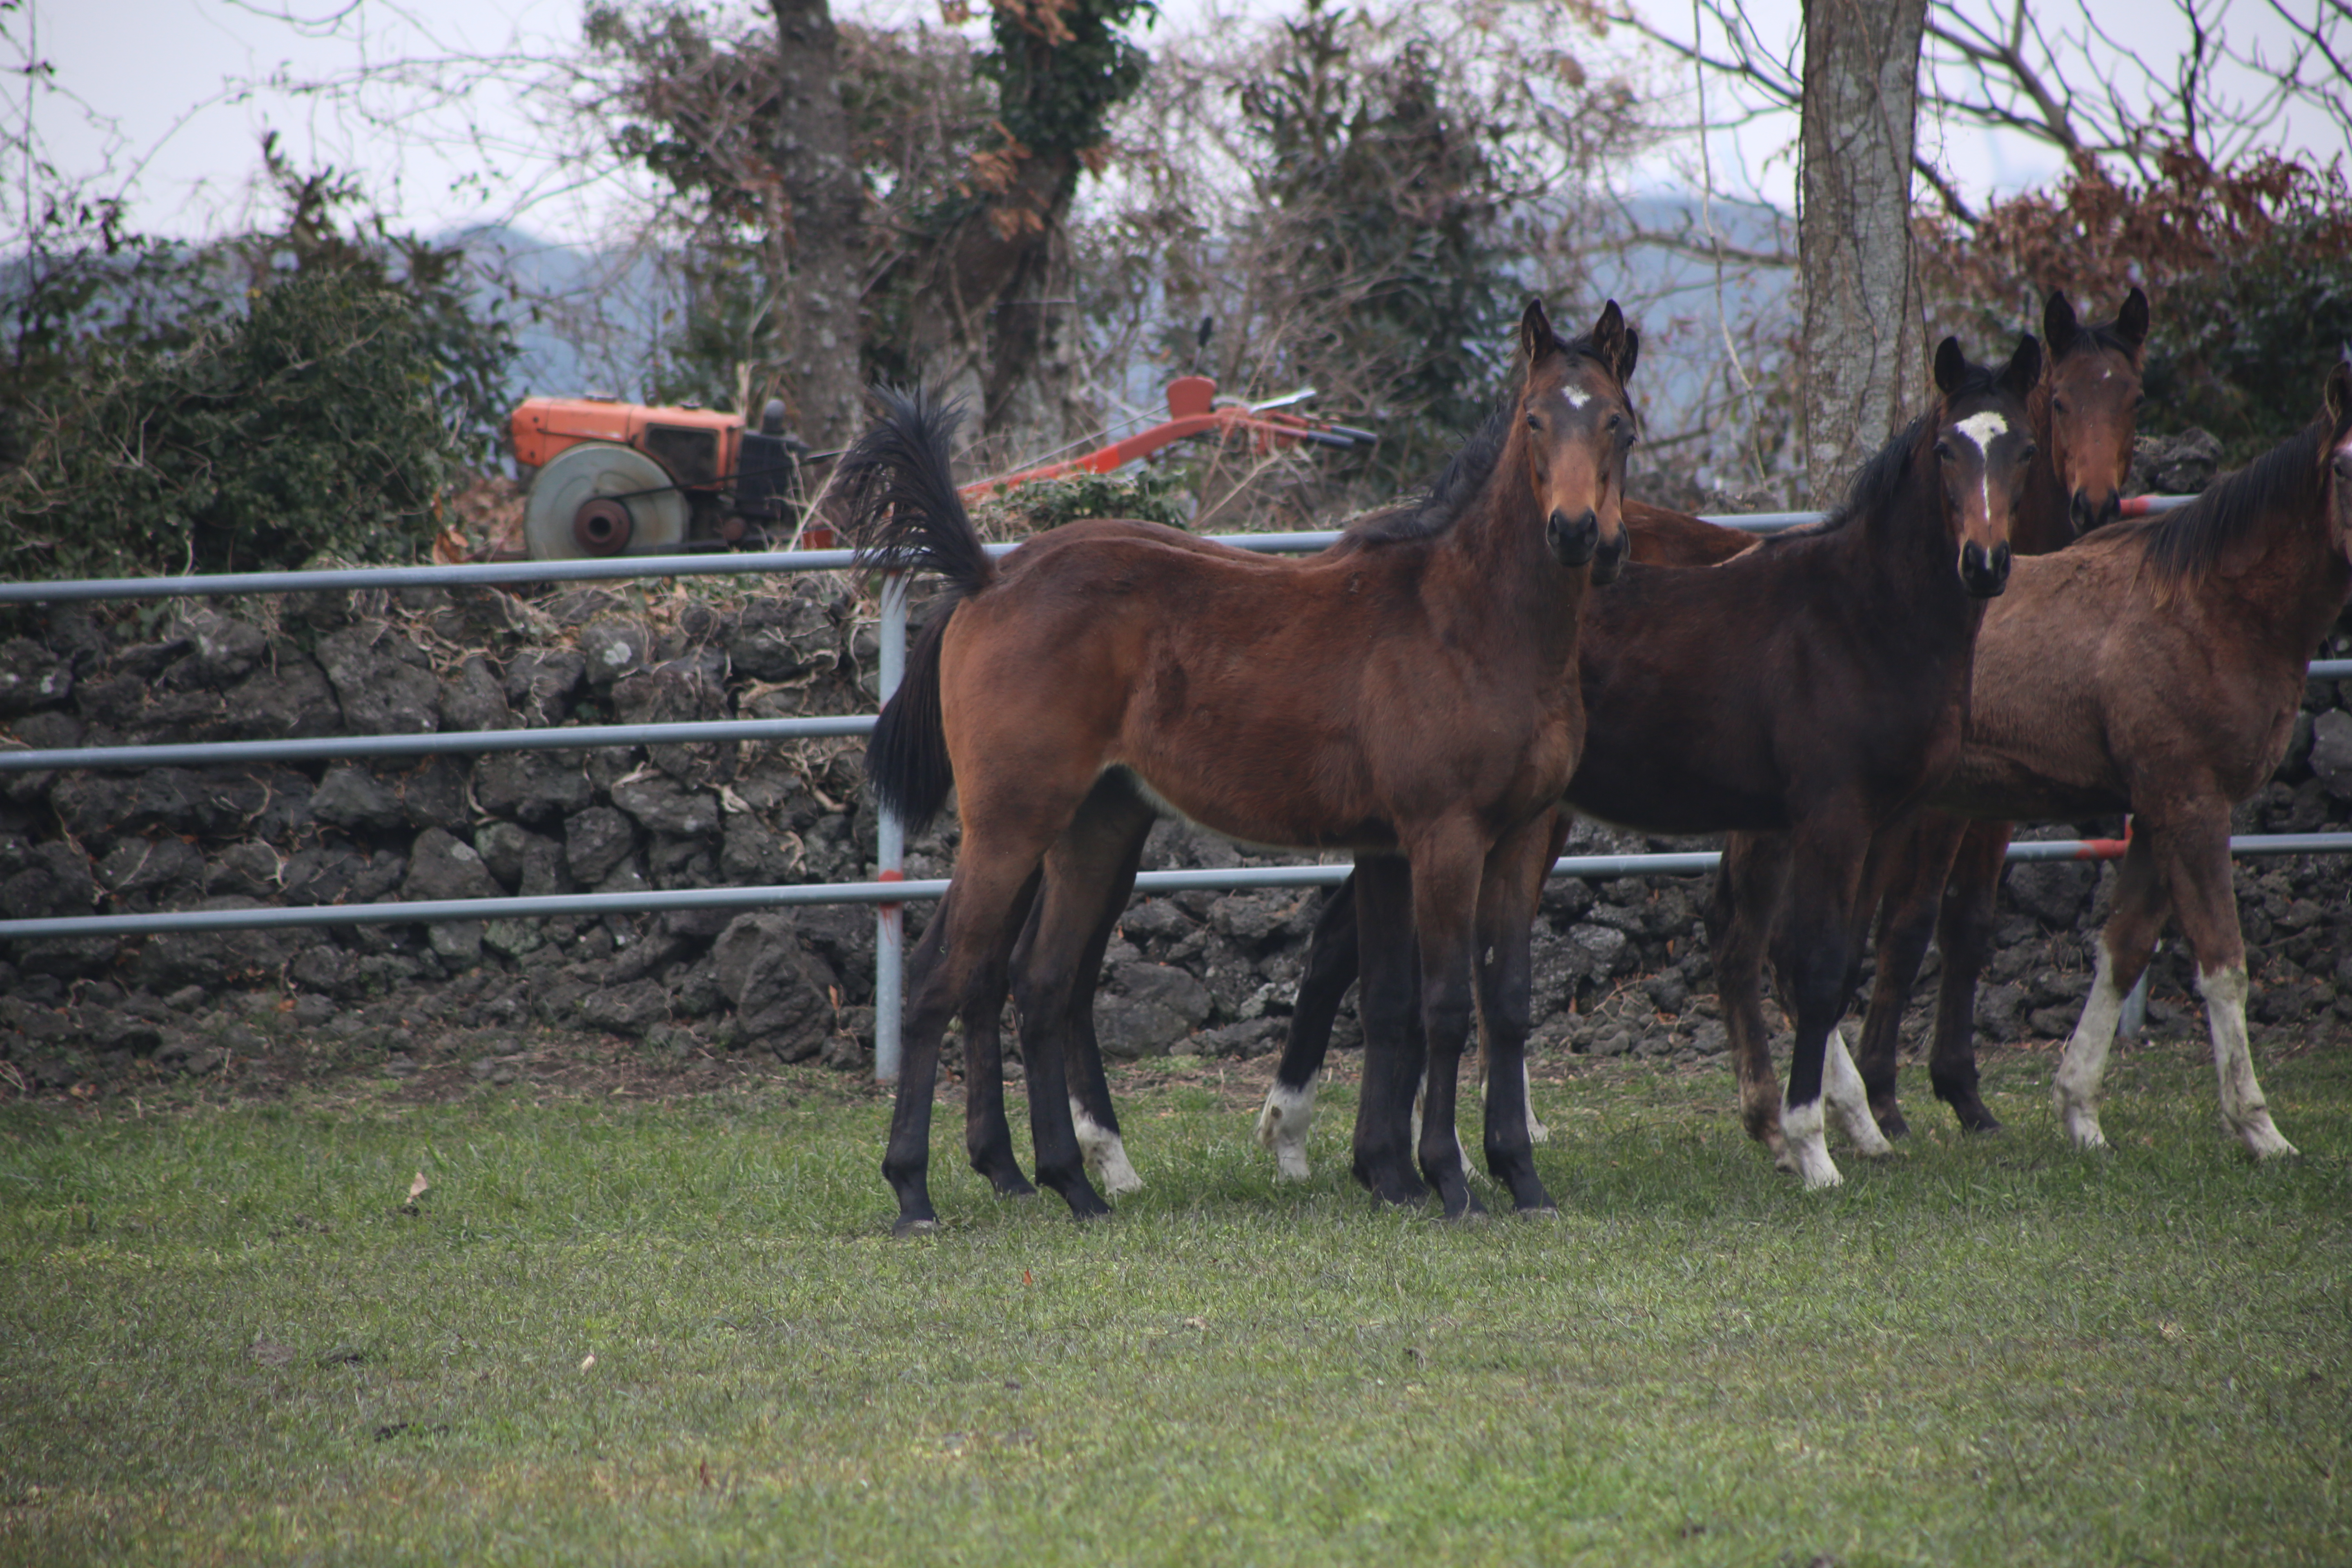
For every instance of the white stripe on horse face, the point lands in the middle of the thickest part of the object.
(1576, 396)
(1980, 429)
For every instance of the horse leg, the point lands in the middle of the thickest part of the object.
(1448, 868)
(1738, 917)
(2206, 903)
(2136, 914)
(1089, 873)
(1394, 1047)
(1906, 922)
(982, 914)
(987, 1137)
(1507, 904)
(1825, 878)
(1331, 965)
(1964, 933)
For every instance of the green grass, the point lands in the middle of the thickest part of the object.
(223, 1343)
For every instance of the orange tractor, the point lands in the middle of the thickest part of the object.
(607, 477)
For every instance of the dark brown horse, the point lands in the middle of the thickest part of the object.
(1811, 687)
(1413, 699)
(2083, 414)
(2157, 668)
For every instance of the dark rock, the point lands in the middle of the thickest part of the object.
(630, 1009)
(786, 636)
(112, 1031)
(151, 873)
(614, 648)
(539, 683)
(531, 787)
(326, 969)
(1998, 1007)
(312, 1011)
(782, 993)
(186, 1054)
(458, 944)
(356, 801)
(441, 865)
(433, 794)
(1668, 991)
(210, 957)
(287, 697)
(222, 650)
(754, 854)
(31, 677)
(595, 842)
(249, 868)
(544, 872)
(382, 681)
(1151, 1007)
(2331, 752)
(476, 698)
(664, 806)
(55, 882)
(2053, 891)
(1605, 948)
(2177, 465)
(502, 846)
(1250, 1038)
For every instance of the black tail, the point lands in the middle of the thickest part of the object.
(904, 516)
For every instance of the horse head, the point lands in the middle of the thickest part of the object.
(1984, 445)
(1578, 426)
(2092, 380)
(2337, 452)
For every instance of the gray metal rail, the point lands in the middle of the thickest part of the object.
(428, 912)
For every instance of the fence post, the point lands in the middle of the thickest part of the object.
(890, 855)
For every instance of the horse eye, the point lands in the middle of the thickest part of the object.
(1616, 421)
(1943, 451)
(2059, 405)
(1534, 423)
(2031, 452)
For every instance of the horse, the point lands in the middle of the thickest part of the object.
(1811, 687)
(1412, 699)
(2174, 700)
(1943, 875)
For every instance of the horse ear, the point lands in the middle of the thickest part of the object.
(1633, 353)
(2058, 323)
(2131, 322)
(1609, 341)
(2025, 366)
(1951, 365)
(2338, 397)
(1535, 338)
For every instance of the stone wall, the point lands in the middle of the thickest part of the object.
(1621, 966)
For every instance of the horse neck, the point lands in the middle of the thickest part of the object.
(1513, 598)
(2043, 521)
(1913, 566)
(2298, 587)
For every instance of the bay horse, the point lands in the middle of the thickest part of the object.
(2156, 667)
(1943, 875)
(1413, 699)
(1811, 687)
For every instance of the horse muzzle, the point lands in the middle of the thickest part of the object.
(1984, 573)
(1573, 540)
(2086, 514)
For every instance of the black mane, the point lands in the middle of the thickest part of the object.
(1464, 475)
(2189, 543)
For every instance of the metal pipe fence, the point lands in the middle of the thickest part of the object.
(889, 891)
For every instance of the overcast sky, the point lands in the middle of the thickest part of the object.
(168, 100)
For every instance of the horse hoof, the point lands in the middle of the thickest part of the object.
(906, 1227)
(1016, 1185)
(1891, 1121)
(1540, 1211)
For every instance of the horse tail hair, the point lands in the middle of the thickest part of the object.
(895, 485)
(905, 515)
(908, 757)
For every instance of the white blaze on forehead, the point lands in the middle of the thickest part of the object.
(1576, 396)
(1983, 427)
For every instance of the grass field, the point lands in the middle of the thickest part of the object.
(619, 1330)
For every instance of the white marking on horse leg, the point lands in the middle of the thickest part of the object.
(2074, 1092)
(1105, 1151)
(1536, 1131)
(1801, 1126)
(2243, 1107)
(1282, 1127)
(1841, 1090)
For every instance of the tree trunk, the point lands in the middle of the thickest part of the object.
(820, 226)
(1863, 350)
